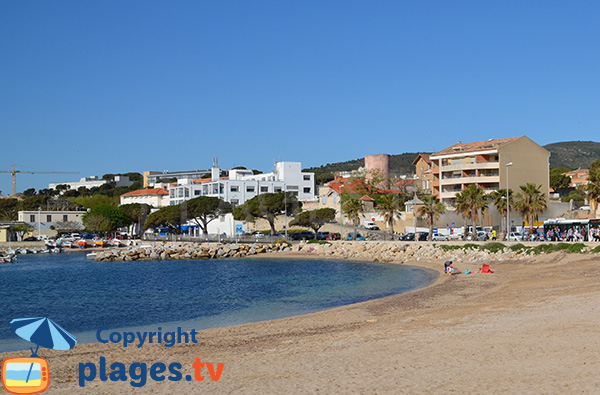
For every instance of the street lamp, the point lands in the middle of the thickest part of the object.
(341, 212)
(285, 210)
(39, 223)
(507, 204)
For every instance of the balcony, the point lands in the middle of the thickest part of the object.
(470, 180)
(471, 166)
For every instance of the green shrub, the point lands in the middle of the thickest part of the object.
(543, 249)
(493, 247)
(518, 248)
(470, 246)
(595, 250)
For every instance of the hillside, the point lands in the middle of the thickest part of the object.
(399, 164)
(573, 154)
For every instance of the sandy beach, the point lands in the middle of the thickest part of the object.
(530, 327)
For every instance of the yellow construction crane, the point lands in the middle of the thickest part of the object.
(14, 172)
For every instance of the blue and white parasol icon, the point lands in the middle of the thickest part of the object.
(43, 332)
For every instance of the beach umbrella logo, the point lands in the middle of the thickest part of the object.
(30, 375)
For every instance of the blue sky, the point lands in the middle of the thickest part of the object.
(119, 86)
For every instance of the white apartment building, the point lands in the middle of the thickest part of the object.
(155, 197)
(91, 182)
(243, 185)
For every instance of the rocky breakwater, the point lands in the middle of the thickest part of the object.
(189, 251)
(402, 252)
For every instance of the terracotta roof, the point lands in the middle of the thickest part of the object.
(367, 199)
(475, 146)
(405, 183)
(201, 180)
(147, 192)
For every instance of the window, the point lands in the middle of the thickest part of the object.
(306, 190)
(197, 192)
(277, 189)
(235, 202)
(250, 188)
(234, 188)
(306, 177)
(65, 217)
(49, 218)
(32, 218)
(264, 189)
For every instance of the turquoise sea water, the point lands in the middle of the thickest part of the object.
(83, 296)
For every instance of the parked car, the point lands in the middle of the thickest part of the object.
(514, 236)
(481, 236)
(408, 237)
(30, 238)
(439, 237)
(422, 236)
(304, 235)
(334, 236)
(322, 235)
(358, 236)
(370, 225)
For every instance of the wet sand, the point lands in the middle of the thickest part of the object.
(530, 327)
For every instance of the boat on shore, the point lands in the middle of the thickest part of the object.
(99, 242)
(9, 258)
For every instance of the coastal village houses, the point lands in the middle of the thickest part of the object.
(491, 164)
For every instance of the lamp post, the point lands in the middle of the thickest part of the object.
(509, 164)
(39, 223)
(285, 209)
(341, 212)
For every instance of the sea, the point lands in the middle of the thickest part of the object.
(83, 296)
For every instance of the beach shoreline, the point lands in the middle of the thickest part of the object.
(515, 330)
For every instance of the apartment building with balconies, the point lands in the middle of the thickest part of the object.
(492, 165)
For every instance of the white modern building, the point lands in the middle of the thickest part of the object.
(155, 197)
(243, 185)
(92, 182)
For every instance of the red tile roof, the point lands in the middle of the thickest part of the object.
(147, 192)
(475, 146)
(367, 199)
(201, 180)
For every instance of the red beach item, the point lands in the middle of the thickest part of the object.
(486, 269)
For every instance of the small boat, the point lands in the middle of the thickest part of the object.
(22, 251)
(57, 250)
(99, 242)
(116, 242)
(91, 256)
(8, 258)
(82, 243)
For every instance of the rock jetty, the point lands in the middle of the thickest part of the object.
(188, 251)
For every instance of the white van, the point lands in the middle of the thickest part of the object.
(370, 225)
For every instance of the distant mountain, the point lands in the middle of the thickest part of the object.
(573, 154)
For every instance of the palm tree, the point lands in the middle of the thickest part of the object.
(432, 208)
(390, 205)
(354, 209)
(593, 194)
(471, 202)
(531, 202)
(499, 200)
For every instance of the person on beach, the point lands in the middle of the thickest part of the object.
(448, 268)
